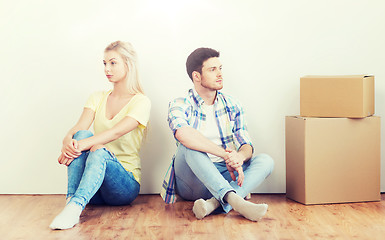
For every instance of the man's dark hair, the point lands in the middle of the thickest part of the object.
(195, 59)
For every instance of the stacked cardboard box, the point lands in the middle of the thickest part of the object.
(333, 150)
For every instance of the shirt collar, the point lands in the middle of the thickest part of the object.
(198, 99)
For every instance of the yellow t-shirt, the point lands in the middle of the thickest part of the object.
(126, 148)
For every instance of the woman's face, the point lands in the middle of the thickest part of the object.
(114, 66)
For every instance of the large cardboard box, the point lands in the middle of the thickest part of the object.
(337, 96)
(332, 160)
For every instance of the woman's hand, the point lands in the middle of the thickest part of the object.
(64, 160)
(70, 149)
(73, 149)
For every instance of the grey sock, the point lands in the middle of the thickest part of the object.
(203, 208)
(249, 210)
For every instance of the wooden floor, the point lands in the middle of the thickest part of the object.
(28, 217)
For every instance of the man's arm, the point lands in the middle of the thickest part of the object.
(236, 159)
(179, 112)
(246, 151)
(193, 139)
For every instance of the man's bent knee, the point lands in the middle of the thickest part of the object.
(268, 161)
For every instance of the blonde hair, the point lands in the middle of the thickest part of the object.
(128, 53)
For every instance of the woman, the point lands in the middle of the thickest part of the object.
(104, 168)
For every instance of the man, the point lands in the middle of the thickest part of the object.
(214, 155)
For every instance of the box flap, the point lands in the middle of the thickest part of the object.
(337, 76)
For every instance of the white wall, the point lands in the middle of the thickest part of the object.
(51, 60)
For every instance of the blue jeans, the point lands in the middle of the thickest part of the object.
(198, 177)
(98, 178)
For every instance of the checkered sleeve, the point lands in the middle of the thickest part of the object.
(240, 126)
(178, 113)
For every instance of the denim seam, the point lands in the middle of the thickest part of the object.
(82, 202)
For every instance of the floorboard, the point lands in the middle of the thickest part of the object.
(28, 217)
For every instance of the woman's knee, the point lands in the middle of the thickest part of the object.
(82, 134)
(96, 147)
(99, 153)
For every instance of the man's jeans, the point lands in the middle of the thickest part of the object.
(198, 177)
(98, 177)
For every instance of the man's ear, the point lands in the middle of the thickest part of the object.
(196, 76)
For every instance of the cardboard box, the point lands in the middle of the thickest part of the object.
(333, 160)
(337, 96)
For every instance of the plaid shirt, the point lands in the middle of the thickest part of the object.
(188, 112)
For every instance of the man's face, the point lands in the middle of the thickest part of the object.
(211, 77)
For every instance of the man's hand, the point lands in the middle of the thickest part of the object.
(241, 175)
(234, 159)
